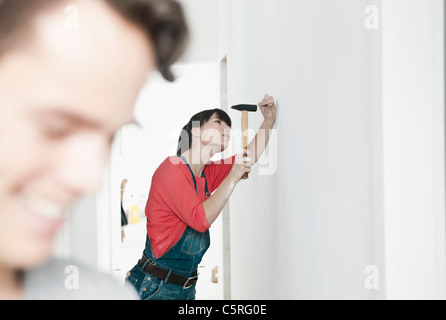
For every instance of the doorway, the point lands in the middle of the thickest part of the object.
(161, 111)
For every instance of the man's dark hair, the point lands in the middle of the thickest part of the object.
(197, 121)
(164, 21)
(161, 20)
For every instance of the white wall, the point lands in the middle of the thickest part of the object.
(413, 153)
(335, 205)
(202, 17)
(304, 231)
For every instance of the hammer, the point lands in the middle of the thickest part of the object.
(245, 108)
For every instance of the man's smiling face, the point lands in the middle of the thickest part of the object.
(63, 95)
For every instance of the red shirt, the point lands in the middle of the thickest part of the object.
(173, 202)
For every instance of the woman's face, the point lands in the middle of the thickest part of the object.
(62, 97)
(216, 134)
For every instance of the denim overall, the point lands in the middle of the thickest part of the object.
(182, 259)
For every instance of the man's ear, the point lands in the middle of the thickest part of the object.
(196, 132)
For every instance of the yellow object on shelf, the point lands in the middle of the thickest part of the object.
(134, 214)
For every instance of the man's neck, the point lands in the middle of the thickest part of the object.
(10, 284)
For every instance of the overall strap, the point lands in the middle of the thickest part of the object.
(206, 189)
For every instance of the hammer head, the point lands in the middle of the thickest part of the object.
(246, 107)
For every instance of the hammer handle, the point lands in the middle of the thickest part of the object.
(245, 136)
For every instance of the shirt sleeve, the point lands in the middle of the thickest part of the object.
(218, 171)
(178, 192)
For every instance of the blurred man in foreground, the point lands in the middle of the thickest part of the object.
(66, 86)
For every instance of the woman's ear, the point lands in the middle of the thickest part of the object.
(196, 132)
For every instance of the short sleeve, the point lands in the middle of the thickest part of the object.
(217, 171)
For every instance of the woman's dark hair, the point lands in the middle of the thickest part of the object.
(197, 121)
(163, 22)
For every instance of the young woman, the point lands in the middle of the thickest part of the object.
(187, 194)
